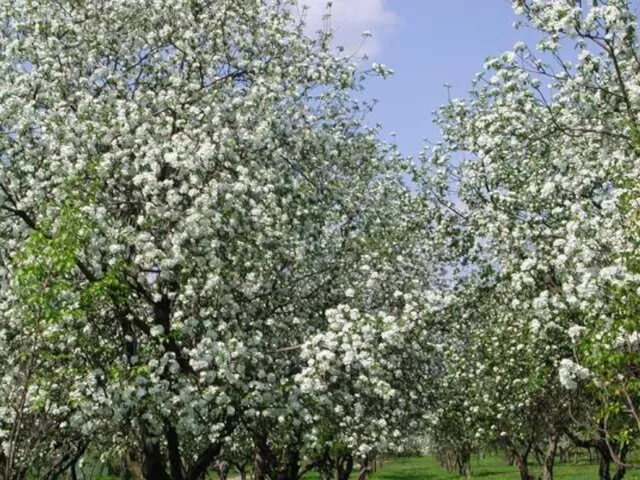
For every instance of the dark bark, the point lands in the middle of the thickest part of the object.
(162, 316)
(317, 465)
(125, 470)
(204, 460)
(564, 454)
(621, 470)
(344, 467)
(604, 454)
(333, 468)
(463, 463)
(267, 465)
(291, 465)
(549, 458)
(67, 461)
(130, 466)
(509, 458)
(365, 468)
(173, 445)
(262, 459)
(523, 469)
(153, 464)
(604, 465)
(520, 459)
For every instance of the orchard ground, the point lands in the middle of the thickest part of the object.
(489, 468)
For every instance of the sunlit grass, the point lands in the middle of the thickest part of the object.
(491, 468)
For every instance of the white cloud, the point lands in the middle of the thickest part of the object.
(349, 19)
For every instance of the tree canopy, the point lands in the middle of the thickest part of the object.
(208, 255)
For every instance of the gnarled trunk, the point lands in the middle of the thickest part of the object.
(261, 463)
(343, 467)
(549, 457)
(463, 462)
(290, 467)
(153, 460)
(520, 461)
(604, 464)
(268, 466)
(365, 467)
(621, 469)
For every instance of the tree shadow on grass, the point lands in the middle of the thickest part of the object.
(488, 473)
(406, 474)
(410, 474)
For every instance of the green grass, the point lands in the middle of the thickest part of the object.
(491, 468)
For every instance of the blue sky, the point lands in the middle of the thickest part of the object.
(428, 43)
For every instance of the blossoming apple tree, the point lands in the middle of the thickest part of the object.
(189, 197)
(545, 199)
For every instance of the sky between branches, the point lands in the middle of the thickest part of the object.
(428, 43)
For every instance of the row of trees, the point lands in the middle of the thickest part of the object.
(207, 254)
(542, 343)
